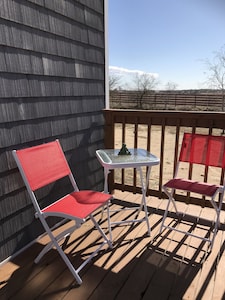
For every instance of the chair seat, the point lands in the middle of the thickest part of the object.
(193, 186)
(78, 204)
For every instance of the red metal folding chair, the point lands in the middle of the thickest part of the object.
(45, 164)
(205, 150)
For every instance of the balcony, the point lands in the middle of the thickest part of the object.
(166, 266)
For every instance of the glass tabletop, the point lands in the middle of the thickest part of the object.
(138, 157)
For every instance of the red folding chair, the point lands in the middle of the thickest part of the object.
(205, 150)
(44, 164)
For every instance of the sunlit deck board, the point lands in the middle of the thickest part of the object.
(166, 266)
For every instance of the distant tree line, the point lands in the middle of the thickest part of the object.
(188, 100)
(145, 83)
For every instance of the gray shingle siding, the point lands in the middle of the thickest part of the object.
(52, 85)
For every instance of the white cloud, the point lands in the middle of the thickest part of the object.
(120, 70)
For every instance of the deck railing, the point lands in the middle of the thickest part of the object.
(159, 132)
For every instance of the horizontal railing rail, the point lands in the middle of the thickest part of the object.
(159, 132)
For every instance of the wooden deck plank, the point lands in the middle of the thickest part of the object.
(166, 266)
(212, 286)
(7, 269)
(53, 264)
(171, 251)
(50, 266)
(144, 268)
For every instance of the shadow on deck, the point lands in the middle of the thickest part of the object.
(166, 266)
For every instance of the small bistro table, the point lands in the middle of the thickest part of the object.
(137, 159)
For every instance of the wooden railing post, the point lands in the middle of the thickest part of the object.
(109, 141)
(109, 137)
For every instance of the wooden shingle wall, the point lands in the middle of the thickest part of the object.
(51, 86)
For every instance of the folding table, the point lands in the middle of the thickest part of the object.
(139, 158)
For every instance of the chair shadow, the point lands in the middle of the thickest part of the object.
(154, 272)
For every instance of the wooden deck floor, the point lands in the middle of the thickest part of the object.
(170, 266)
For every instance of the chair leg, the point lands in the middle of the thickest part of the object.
(217, 220)
(164, 216)
(109, 225)
(69, 264)
(217, 208)
(171, 199)
(55, 243)
(108, 241)
(143, 202)
(50, 245)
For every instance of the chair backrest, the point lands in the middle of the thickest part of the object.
(41, 165)
(203, 149)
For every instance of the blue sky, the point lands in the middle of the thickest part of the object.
(169, 38)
